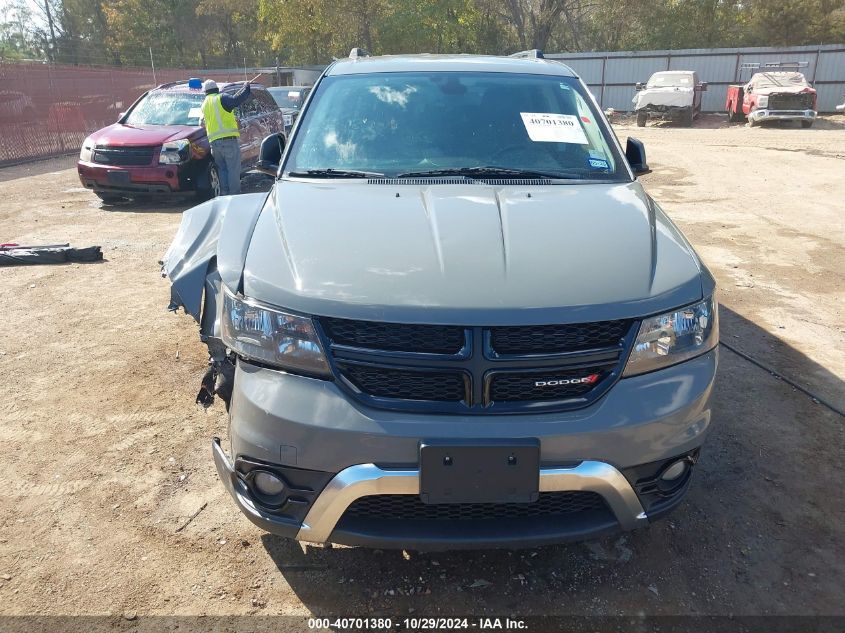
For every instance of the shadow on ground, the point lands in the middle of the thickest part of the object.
(761, 531)
(714, 121)
(38, 167)
(250, 183)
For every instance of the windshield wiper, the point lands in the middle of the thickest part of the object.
(488, 171)
(335, 173)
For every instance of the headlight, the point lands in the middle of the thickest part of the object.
(763, 101)
(674, 337)
(272, 336)
(174, 152)
(87, 151)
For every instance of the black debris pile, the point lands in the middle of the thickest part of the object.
(18, 255)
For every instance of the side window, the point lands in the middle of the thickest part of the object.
(246, 109)
(269, 102)
(261, 97)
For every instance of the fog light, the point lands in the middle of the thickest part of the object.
(268, 484)
(675, 471)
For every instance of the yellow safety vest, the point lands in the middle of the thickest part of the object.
(218, 122)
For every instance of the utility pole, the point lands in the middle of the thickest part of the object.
(51, 50)
(153, 64)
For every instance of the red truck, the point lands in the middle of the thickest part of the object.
(775, 92)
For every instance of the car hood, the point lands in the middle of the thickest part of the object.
(120, 134)
(666, 96)
(473, 254)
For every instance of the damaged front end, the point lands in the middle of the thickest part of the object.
(207, 253)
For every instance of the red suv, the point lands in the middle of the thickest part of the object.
(159, 147)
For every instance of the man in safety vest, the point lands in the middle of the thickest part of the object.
(221, 126)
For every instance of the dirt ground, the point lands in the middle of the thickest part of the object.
(107, 456)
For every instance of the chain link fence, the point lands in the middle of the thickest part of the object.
(48, 110)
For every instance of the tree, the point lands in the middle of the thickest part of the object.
(18, 40)
(222, 33)
(790, 22)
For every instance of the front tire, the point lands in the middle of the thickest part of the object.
(687, 117)
(642, 117)
(733, 115)
(208, 185)
(806, 124)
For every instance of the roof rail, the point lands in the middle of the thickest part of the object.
(534, 53)
(170, 84)
(355, 53)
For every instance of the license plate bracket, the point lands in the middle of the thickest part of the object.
(116, 177)
(480, 471)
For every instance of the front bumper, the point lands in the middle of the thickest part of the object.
(614, 448)
(782, 115)
(323, 523)
(664, 111)
(157, 179)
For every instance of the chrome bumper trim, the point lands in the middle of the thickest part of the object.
(368, 479)
(769, 115)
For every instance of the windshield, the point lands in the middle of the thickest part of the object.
(673, 80)
(288, 97)
(410, 123)
(167, 108)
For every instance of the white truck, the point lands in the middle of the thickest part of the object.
(669, 94)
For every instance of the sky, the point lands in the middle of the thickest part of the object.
(35, 7)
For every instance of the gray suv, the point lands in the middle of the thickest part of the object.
(457, 320)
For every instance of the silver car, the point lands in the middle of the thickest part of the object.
(457, 320)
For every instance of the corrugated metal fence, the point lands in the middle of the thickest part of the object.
(612, 76)
(48, 110)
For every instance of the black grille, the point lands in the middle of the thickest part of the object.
(410, 507)
(476, 369)
(382, 382)
(791, 102)
(124, 155)
(545, 385)
(397, 337)
(552, 339)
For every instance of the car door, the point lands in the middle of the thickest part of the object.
(271, 119)
(250, 144)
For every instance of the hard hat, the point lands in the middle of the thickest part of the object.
(208, 85)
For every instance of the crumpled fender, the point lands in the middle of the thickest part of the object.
(212, 238)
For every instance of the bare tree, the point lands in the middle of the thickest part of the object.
(536, 23)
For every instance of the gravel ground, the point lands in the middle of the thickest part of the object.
(107, 456)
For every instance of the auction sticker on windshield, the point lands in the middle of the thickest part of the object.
(553, 128)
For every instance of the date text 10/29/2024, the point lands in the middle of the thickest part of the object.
(418, 624)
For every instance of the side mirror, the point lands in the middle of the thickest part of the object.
(270, 154)
(639, 86)
(635, 153)
(703, 86)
